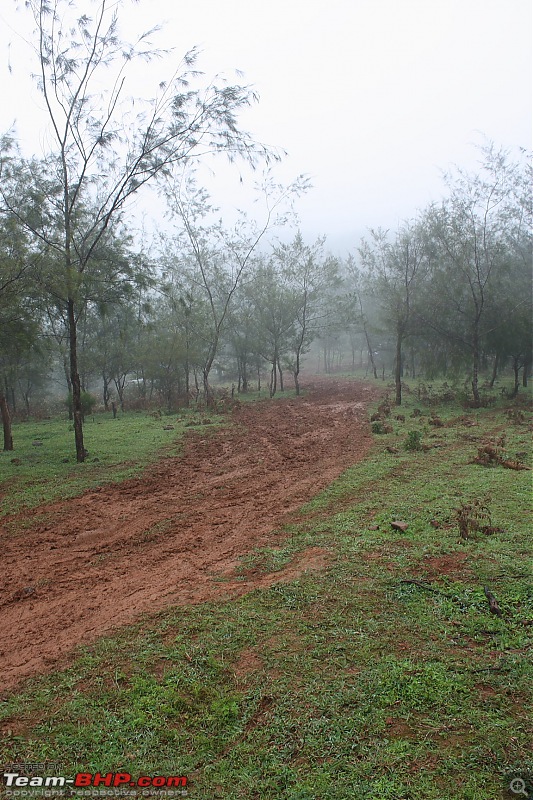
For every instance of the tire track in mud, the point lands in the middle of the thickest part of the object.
(165, 538)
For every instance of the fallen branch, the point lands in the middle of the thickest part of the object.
(514, 465)
(493, 604)
(491, 456)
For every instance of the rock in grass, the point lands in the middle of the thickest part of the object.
(398, 525)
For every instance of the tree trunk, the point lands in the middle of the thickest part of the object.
(120, 383)
(11, 391)
(281, 386)
(368, 342)
(475, 369)
(207, 389)
(371, 354)
(206, 371)
(296, 383)
(516, 371)
(244, 381)
(106, 394)
(526, 372)
(244, 375)
(494, 370)
(76, 385)
(296, 373)
(69, 384)
(6, 422)
(187, 368)
(398, 368)
(274, 375)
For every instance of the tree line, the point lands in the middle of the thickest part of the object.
(80, 291)
(453, 286)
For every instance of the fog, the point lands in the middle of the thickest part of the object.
(371, 98)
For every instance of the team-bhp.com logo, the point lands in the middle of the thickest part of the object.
(14, 780)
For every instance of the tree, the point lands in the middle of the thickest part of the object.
(272, 299)
(105, 147)
(472, 233)
(309, 277)
(217, 258)
(109, 322)
(396, 270)
(176, 341)
(243, 338)
(19, 315)
(510, 312)
(358, 308)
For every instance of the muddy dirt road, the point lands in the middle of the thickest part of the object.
(101, 560)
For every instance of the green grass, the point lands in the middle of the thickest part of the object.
(118, 449)
(382, 676)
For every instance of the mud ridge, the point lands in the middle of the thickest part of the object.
(168, 537)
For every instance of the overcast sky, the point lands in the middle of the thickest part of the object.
(371, 98)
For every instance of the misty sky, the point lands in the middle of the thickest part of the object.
(371, 98)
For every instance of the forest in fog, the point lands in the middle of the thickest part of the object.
(93, 309)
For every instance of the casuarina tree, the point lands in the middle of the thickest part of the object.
(105, 144)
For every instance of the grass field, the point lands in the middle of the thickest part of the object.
(382, 676)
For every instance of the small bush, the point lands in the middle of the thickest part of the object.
(381, 427)
(413, 441)
(473, 517)
(88, 402)
(377, 426)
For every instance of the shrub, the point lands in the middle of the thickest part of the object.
(473, 517)
(381, 427)
(413, 441)
(88, 402)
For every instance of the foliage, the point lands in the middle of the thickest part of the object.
(413, 441)
(472, 517)
(478, 237)
(88, 402)
(210, 261)
(396, 272)
(104, 147)
(379, 426)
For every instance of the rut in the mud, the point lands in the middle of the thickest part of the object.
(106, 557)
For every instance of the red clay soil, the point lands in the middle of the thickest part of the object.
(167, 538)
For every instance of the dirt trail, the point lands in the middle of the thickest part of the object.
(112, 554)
